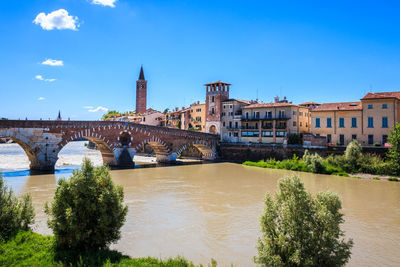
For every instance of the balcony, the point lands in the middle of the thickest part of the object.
(249, 127)
(257, 118)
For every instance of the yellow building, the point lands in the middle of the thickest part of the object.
(338, 122)
(273, 122)
(368, 121)
(197, 116)
(381, 111)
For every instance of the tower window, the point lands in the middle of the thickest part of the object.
(212, 99)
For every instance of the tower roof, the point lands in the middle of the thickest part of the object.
(59, 115)
(141, 75)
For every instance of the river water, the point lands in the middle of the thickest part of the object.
(209, 211)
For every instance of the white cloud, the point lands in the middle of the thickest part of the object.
(53, 62)
(109, 3)
(58, 19)
(99, 108)
(40, 77)
(41, 98)
(88, 107)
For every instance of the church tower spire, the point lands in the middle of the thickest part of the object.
(141, 93)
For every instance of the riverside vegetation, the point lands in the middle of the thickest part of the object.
(353, 161)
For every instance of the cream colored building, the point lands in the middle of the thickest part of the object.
(273, 122)
(231, 118)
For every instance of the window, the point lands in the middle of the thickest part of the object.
(212, 111)
(250, 134)
(280, 134)
(224, 106)
(370, 139)
(257, 115)
(384, 106)
(353, 137)
(370, 122)
(384, 122)
(236, 134)
(223, 124)
(268, 114)
(230, 134)
(294, 112)
(267, 134)
(317, 123)
(230, 106)
(329, 138)
(301, 124)
(384, 139)
(236, 124)
(281, 114)
(329, 122)
(341, 122)
(370, 106)
(230, 124)
(353, 122)
(256, 126)
(212, 99)
(294, 124)
(341, 139)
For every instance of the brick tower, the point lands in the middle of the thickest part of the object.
(141, 93)
(216, 92)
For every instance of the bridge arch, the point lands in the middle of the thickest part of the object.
(101, 143)
(208, 152)
(160, 148)
(34, 162)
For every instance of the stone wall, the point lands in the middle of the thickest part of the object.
(256, 152)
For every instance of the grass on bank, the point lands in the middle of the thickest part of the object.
(31, 249)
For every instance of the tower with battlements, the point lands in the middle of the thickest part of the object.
(141, 93)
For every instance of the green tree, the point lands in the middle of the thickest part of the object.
(353, 152)
(301, 230)
(87, 210)
(393, 153)
(15, 214)
(110, 114)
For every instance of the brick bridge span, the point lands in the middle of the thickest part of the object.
(117, 141)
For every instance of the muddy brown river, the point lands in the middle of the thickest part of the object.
(211, 210)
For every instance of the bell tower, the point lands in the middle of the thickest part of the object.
(141, 93)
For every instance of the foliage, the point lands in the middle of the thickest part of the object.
(166, 111)
(32, 249)
(15, 214)
(301, 230)
(393, 153)
(87, 211)
(353, 152)
(294, 139)
(393, 179)
(113, 113)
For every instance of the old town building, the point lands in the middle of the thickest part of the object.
(273, 122)
(231, 119)
(216, 92)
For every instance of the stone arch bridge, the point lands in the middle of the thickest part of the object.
(117, 141)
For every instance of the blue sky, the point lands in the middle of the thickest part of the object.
(323, 51)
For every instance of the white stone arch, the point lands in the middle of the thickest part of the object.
(160, 148)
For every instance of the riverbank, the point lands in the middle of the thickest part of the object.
(333, 165)
(31, 249)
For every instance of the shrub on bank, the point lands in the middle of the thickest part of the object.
(301, 230)
(15, 214)
(87, 212)
(32, 249)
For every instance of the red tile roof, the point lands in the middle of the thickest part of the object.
(238, 100)
(382, 95)
(339, 106)
(308, 103)
(270, 105)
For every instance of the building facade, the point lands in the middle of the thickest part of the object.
(231, 118)
(273, 122)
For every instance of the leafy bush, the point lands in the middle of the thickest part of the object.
(353, 152)
(314, 162)
(393, 179)
(87, 211)
(374, 165)
(301, 230)
(15, 214)
(393, 153)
